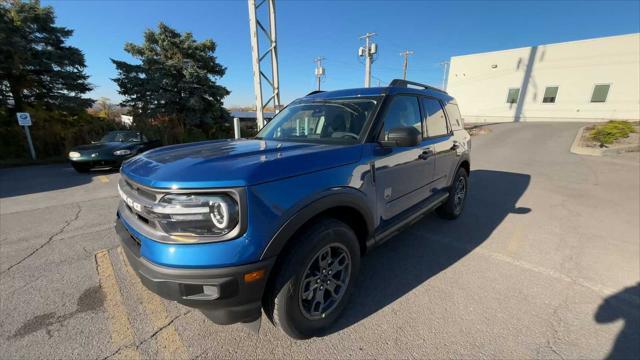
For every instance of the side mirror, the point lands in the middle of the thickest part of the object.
(402, 136)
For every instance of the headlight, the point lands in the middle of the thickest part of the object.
(74, 155)
(122, 152)
(197, 215)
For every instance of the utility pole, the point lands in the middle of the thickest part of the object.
(445, 65)
(369, 49)
(406, 54)
(274, 82)
(319, 70)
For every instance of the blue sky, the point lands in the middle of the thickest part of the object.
(306, 29)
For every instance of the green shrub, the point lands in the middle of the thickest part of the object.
(53, 133)
(612, 131)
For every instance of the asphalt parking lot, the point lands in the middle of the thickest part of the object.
(544, 263)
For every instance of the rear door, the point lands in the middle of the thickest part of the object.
(440, 135)
(402, 173)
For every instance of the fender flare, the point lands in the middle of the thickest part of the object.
(465, 157)
(305, 211)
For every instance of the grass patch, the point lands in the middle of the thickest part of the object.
(611, 131)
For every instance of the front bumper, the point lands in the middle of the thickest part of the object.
(222, 294)
(98, 162)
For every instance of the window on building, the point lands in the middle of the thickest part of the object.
(600, 93)
(513, 95)
(550, 94)
(436, 121)
(402, 112)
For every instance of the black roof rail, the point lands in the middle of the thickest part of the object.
(406, 83)
(315, 92)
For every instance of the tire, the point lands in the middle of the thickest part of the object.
(81, 168)
(302, 317)
(455, 205)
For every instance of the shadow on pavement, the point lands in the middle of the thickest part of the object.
(407, 261)
(41, 178)
(625, 306)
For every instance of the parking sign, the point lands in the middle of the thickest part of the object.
(24, 119)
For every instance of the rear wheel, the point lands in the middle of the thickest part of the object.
(81, 168)
(315, 280)
(457, 196)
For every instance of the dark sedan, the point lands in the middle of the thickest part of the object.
(110, 151)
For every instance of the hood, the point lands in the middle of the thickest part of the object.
(101, 146)
(231, 163)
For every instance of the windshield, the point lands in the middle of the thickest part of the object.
(121, 136)
(331, 121)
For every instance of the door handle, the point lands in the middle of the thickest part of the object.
(456, 145)
(426, 153)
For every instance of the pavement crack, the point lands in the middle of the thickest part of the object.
(556, 322)
(136, 347)
(169, 323)
(49, 240)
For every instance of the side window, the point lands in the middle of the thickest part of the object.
(402, 111)
(436, 121)
(454, 116)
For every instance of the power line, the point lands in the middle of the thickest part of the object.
(406, 54)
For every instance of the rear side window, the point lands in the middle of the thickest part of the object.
(402, 111)
(454, 116)
(436, 121)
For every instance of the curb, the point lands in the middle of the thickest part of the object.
(581, 150)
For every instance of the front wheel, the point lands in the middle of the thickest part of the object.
(316, 278)
(457, 196)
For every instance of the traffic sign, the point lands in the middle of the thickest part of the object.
(24, 119)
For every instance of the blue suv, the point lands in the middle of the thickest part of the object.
(279, 222)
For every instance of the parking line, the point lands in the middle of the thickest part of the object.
(121, 334)
(170, 345)
(103, 179)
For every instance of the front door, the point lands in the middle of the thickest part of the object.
(402, 173)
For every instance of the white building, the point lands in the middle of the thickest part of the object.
(587, 80)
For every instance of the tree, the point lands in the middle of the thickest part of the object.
(36, 67)
(175, 79)
(104, 108)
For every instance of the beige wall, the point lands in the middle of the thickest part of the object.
(480, 82)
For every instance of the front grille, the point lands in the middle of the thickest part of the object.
(143, 200)
(142, 192)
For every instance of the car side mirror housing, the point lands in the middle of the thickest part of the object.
(402, 136)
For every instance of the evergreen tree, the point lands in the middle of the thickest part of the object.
(175, 79)
(37, 68)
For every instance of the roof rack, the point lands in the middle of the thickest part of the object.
(315, 92)
(406, 83)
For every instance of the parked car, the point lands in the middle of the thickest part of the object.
(279, 222)
(110, 151)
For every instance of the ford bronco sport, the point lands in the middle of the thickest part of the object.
(279, 222)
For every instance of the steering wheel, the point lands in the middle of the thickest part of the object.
(345, 134)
